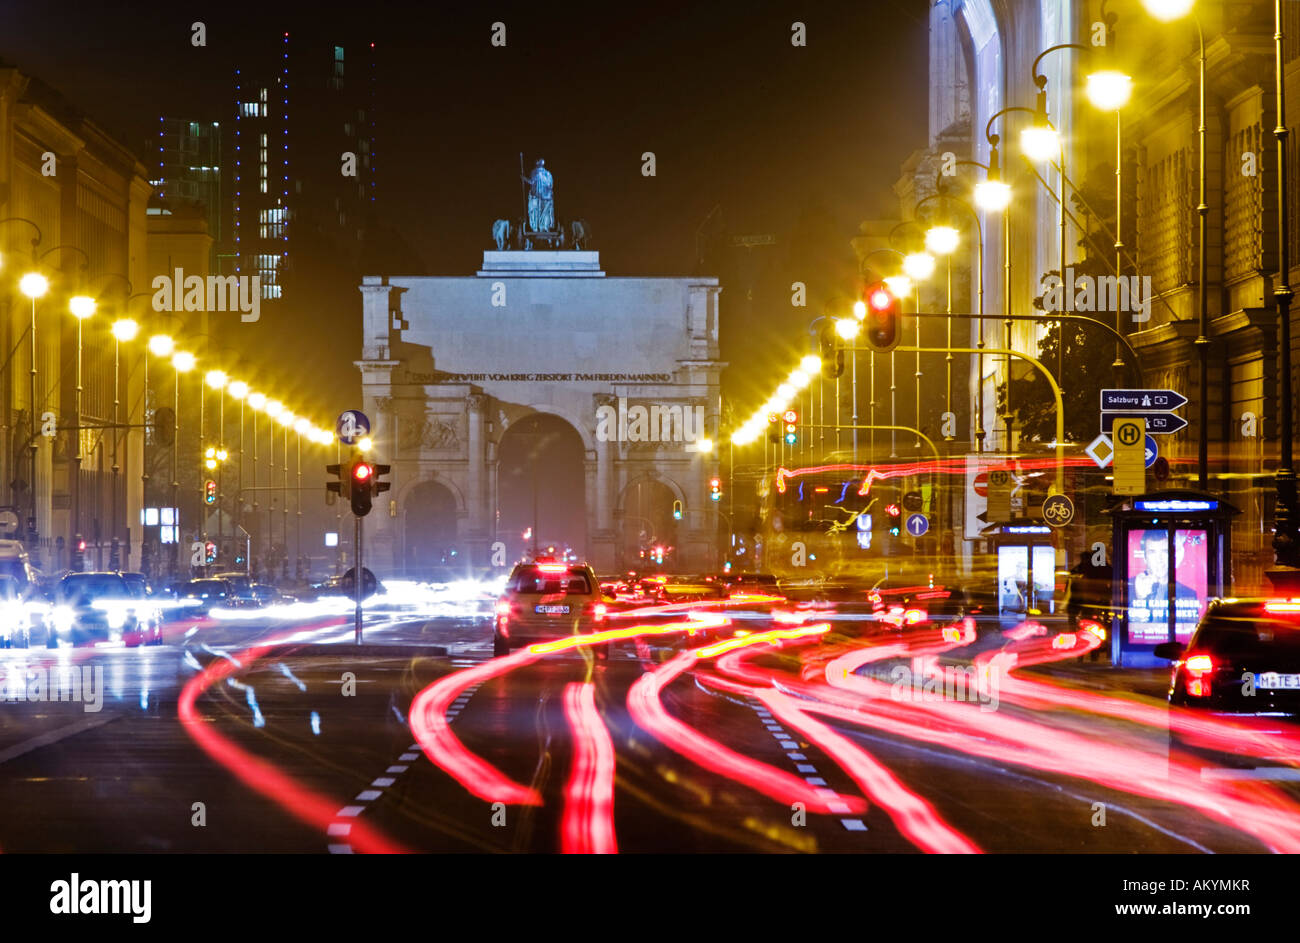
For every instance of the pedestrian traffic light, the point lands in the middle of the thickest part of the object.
(79, 553)
(883, 313)
(210, 552)
(831, 354)
(790, 419)
(677, 510)
(361, 477)
(895, 515)
(209, 492)
(715, 489)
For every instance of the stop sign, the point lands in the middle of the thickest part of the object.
(982, 484)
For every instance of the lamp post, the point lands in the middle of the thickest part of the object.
(33, 285)
(286, 419)
(257, 402)
(300, 426)
(239, 390)
(82, 307)
(182, 362)
(216, 380)
(124, 329)
(160, 345)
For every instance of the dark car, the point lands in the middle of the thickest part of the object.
(202, 595)
(241, 587)
(761, 583)
(90, 607)
(1242, 664)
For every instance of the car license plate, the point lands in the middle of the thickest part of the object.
(552, 610)
(1272, 681)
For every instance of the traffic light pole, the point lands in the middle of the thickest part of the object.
(357, 581)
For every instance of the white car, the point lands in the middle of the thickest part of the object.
(544, 601)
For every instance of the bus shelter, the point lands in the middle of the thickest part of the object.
(1026, 554)
(1171, 554)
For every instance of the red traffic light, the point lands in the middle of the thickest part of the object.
(790, 416)
(361, 471)
(883, 314)
(715, 483)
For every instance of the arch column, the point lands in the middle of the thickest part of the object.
(603, 537)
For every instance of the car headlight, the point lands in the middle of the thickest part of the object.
(63, 617)
(116, 618)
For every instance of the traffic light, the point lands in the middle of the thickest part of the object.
(210, 552)
(361, 476)
(895, 515)
(209, 492)
(380, 486)
(341, 484)
(790, 421)
(79, 553)
(677, 510)
(884, 311)
(831, 354)
(715, 489)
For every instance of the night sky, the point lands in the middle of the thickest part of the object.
(800, 142)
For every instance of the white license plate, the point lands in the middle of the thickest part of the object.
(551, 610)
(1272, 681)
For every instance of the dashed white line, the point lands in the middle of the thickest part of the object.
(413, 753)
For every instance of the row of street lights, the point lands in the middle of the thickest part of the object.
(35, 286)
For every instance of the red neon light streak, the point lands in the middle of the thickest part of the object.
(588, 824)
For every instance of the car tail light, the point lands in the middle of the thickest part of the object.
(913, 616)
(1283, 606)
(1093, 627)
(1198, 668)
(598, 610)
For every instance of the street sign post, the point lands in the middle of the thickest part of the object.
(917, 524)
(1150, 453)
(1130, 456)
(1156, 423)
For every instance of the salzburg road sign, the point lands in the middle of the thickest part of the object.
(1141, 400)
(1156, 423)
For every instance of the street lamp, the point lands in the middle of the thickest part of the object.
(82, 307)
(286, 419)
(33, 285)
(182, 362)
(239, 390)
(124, 329)
(217, 380)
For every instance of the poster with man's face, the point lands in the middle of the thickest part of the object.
(1150, 571)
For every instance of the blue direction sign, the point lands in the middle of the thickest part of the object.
(352, 426)
(917, 524)
(1157, 423)
(1136, 401)
(1152, 453)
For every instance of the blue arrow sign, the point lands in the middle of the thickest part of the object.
(1156, 423)
(917, 524)
(1141, 400)
(1152, 453)
(352, 425)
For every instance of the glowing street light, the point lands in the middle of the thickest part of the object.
(81, 306)
(941, 240)
(1109, 89)
(238, 389)
(993, 195)
(847, 328)
(34, 285)
(183, 361)
(811, 363)
(161, 345)
(216, 379)
(257, 401)
(1167, 9)
(125, 329)
(918, 266)
(900, 285)
(1040, 142)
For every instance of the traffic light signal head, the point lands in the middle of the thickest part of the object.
(895, 514)
(715, 488)
(884, 311)
(380, 486)
(342, 483)
(361, 477)
(209, 492)
(677, 510)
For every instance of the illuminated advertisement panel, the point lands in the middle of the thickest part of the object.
(1149, 572)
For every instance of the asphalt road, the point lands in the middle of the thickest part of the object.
(231, 739)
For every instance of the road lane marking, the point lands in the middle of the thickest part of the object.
(54, 736)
